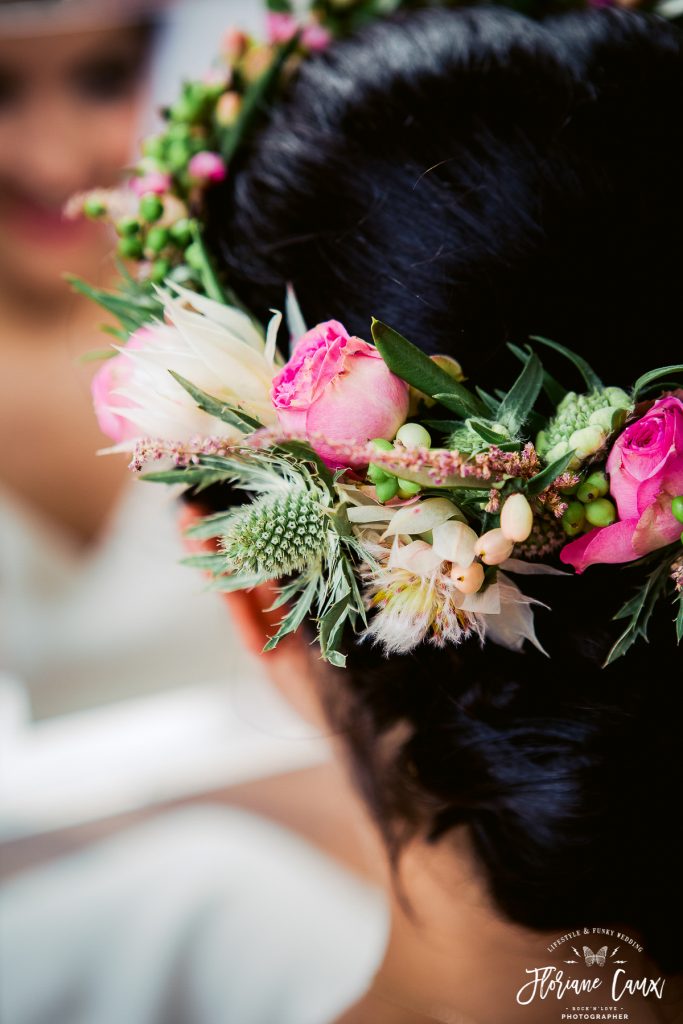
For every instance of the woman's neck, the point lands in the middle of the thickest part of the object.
(453, 959)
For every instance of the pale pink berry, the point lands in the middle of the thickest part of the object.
(516, 518)
(469, 580)
(316, 38)
(494, 547)
(207, 167)
(281, 27)
(156, 182)
(228, 109)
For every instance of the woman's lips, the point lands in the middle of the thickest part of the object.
(40, 223)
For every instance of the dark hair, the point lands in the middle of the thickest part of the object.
(473, 177)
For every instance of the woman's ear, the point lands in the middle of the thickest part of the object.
(255, 620)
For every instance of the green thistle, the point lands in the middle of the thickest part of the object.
(583, 423)
(277, 534)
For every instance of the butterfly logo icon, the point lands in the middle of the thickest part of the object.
(592, 958)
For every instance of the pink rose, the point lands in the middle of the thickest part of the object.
(646, 472)
(340, 389)
(113, 374)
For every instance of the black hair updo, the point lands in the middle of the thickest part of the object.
(472, 177)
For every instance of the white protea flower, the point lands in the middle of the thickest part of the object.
(215, 347)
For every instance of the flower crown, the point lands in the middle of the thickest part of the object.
(381, 491)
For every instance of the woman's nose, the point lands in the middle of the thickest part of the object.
(54, 152)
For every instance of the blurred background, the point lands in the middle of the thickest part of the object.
(138, 740)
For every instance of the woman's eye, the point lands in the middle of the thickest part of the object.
(107, 80)
(10, 89)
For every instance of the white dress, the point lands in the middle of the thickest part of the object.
(205, 916)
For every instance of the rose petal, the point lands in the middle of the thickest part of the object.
(608, 544)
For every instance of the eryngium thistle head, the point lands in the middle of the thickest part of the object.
(277, 534)
(582, 423)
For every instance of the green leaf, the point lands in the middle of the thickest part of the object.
(303, 451)
(254, 101)
(679, 618)
(514, 410)
(100, 354)
(552, 387)
(489, 401)
(414, 367)
(228, 583)
(215, 407)
(296, 615)
(587, 372)
(190, 476)
(206, 269)
(653, 375)
(331, 628)
(132, 310)
(485, 431)
(215, 562)
(544, 479)
(639, 610)
(211, 526)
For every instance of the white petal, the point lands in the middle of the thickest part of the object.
(369, 514)
(271, 336)
(296, 324)
(237, 322)
(516, 565)
(417, 557)
(485, 602)
(455, 542)
(515, 622)
(422, 517)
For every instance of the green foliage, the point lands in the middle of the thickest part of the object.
(223, 411)
(412, 365)
(655, 375)
(591, 378)
(133, 308)
(638, 611)
(514, 410)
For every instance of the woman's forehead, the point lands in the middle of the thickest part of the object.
(49, 18)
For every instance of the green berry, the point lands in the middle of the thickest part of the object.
(377, 474)
(127, 226)
(387, 489)
(157, 239)
(151, 208)
(412, 435)
(574, 518)
(94, 208)
(160, 271)
(130, 248)
(601, 512)
(181, 232)
(595, 486)
(382, 444)
(407, 488)
(677, 507)
(154, 147)
(193, 257)
(178, 155)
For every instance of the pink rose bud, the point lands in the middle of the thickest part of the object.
(516, 518)
(228, 109)
(112, 376)
(338, 390)
(281, 27)
(494, 547)
(155, 182)
(207, 167)
(469, 580)
(316, 38)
